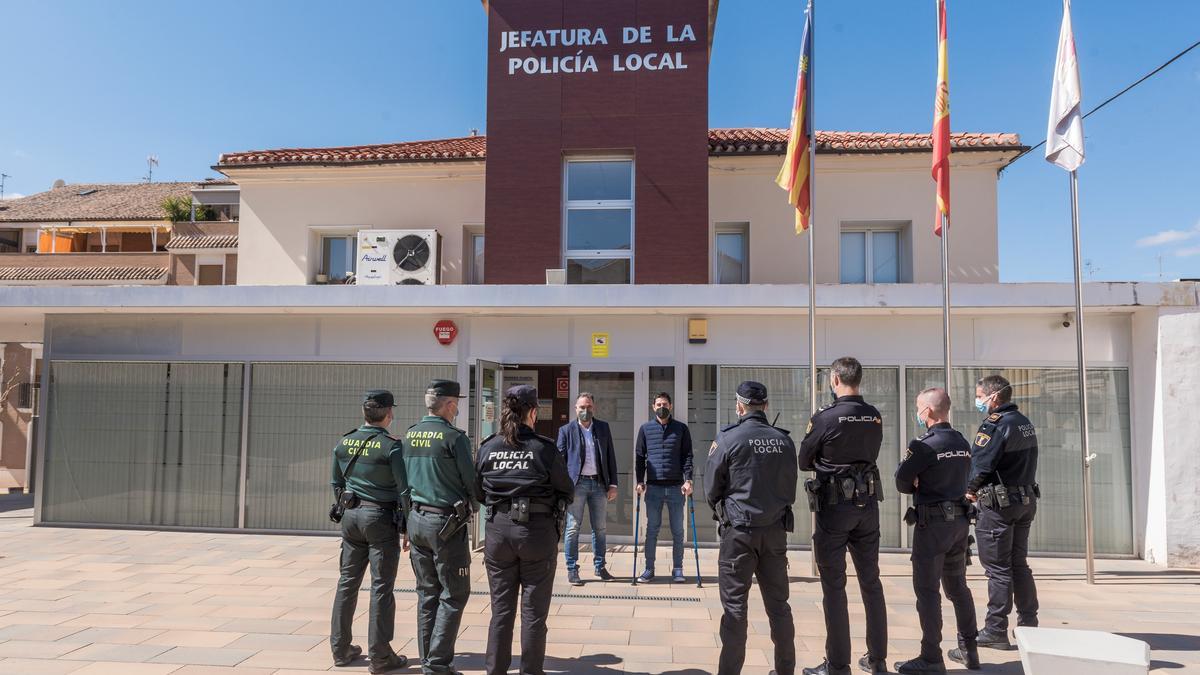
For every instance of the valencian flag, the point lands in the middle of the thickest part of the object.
(1064, 133)
(797, 166)
(941, 124)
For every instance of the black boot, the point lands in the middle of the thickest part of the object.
(870, 665)
(826, 669)
(989, 640)
(920, 665)
(966, 654)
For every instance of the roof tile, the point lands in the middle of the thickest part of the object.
(200, 241)
(136, 273)
(94, 201)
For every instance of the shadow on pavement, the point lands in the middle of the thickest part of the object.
(591, 664)
(15, 502)
(1167, 642)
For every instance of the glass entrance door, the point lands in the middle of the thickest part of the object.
(616, 402)
(489, 385)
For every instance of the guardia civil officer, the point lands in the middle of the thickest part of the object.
(1004, 485)
(367, 470)
(523, 481)
(842, 445)
(935, 470)
(439, 501)
(751, 480)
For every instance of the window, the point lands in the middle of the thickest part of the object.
(474, 257)
(337, 257)
(731, 254)
(210, 270)
(872, 255)
(10, 241)
(598, 221)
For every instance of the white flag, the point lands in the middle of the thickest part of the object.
(1064, 133)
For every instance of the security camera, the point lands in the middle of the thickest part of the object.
(1068, 319)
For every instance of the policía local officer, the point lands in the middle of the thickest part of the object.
(751, 480)
(842, 445)
(441, 478)
(1004, 485)
(367, 470)
(935, 470)
(523, 481)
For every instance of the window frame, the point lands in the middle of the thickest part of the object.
(740, 228)
(903, 265)
(20, 240)
(471, 276)
(600, 204)
(207, 260)
(352, 237)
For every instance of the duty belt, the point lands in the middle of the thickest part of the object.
(534, 507)
(945, 510)
(371, 502)
(440, 510)
(1000, 496)
(857, 486)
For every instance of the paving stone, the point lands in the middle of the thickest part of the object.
(204, 656)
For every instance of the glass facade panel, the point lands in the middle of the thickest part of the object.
(854, 258)
(702, 422)
(298, 413)
(600, 181)
(143, 443)
(598, 270)
(1050, 398)
(788, 391)
(600, 229)
(885, 257)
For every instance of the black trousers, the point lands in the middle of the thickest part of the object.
(519, 558)
(369, 535)
(840, 527)
(746, 553)
(939, 555)
(442, 570)
(1003, 536)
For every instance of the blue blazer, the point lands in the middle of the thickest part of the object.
(571, 446)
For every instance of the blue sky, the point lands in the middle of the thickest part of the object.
(90, 89)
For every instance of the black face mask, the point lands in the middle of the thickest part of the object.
(662, 413)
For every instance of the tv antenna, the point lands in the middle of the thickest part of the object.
(3, 177)
(151, 162)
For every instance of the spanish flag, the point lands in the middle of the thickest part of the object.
(941, 125)
(797, 166)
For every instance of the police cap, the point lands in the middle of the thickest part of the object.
(379, 398)
(445, 388)
(752, 393)
(525, 394)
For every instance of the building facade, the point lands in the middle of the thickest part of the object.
(600, 237)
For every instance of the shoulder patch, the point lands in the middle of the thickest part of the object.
(908, 453)
(982, 439)
(712, 448)
(809, 429)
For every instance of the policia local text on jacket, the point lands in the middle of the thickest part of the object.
(523, 486)
(751, 479)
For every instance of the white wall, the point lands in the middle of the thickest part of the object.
(1177, 446)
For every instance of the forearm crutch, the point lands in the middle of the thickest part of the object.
(695, 541)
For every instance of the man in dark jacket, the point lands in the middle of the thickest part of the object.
(664, 474)
(586, 445)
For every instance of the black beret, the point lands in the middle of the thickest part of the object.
(526, 394)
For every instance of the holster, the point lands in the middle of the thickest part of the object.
(812, 490)
(789, 520)
(400, 519)
(720, 516)
(519, 511)
(910, 516)
(456, 521)
(560, 516)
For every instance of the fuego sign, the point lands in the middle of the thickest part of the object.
(445, 331)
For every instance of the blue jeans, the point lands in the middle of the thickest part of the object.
(655, 496)
(590, 493)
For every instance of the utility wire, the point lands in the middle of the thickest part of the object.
(1114, 97)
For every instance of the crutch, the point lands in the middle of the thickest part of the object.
(637, 520)
(695, 541)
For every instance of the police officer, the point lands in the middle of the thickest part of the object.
(842, 445)
(935, 470)
(751, 480)
(367, 470)
(441, 478)
(523, 481)
(1004, 485)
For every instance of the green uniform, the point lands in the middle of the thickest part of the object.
(369, 537)
(379, 469)
(439, 471)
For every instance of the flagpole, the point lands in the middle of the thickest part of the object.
(812, 276)
(1089, 544)
(946, 300)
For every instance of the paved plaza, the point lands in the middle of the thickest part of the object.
(134, 602)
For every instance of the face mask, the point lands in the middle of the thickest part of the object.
(585, 415)
(981, 404)
(920, 422)
(833, 392)
(662, 412)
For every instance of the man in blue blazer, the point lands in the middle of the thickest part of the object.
(586, 444)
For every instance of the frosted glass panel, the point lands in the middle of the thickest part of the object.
(298, 411)
(885, 257)
(143, 443)
(854, 258)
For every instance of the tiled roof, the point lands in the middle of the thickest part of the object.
(720, 142)
(198, 241)
(138, 273)
(92, 201)
(774, 142)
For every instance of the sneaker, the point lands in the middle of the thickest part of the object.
(870, 665)
(919, 666)
(573, 578)
(603, 575)
(393, 662)
(351, 656)
(647, 576)
(677, 577)
(968, 656)
(989, 640)
(826, 669)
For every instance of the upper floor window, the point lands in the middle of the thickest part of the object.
(337, 257)
(873, 254)
(598, 221)
(10, 241)
(731, 253)
(473, 250)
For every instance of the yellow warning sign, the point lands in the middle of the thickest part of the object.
(599, 345)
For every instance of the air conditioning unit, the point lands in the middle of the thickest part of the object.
(398, 257)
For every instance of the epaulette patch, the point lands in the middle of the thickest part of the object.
(994, 417)
(925, 435)
(349, 432)
(731, 426)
